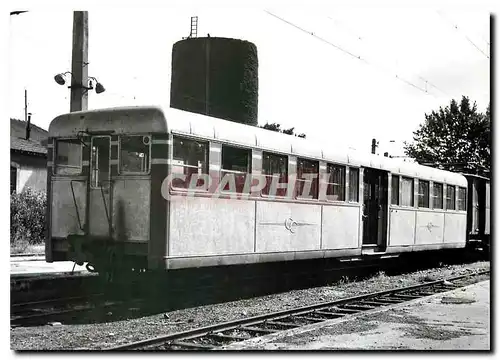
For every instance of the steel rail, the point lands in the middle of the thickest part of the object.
(48, 302)
(87, 305)
(245, 324)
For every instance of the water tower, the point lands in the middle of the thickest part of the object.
(216, 77)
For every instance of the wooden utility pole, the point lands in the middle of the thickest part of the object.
(79, 62)
(25, 105)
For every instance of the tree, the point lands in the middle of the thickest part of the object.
(277, 127)
(456, 138)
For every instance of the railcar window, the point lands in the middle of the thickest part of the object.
(236, 163)
(307, 176)
(353, 184)
(461, 198)
(395, 190)
(134, 154)
(437, 196)
(336, 182)
(274, 166)
(423, 194)
(99, 161)
(68, 157)
(189, 157)
(407, 192)
(450, 197)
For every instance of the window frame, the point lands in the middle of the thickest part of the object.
(464, 200)
(420, 195)
(277, 154)
(120, 172)
(403, 178)
(358, 171)
(327, 183)
(92, 186)
(298, 196)
(398, 181)
(55, 152)
(172, 159)
(434, 197)
(248, 173)
(454, 197)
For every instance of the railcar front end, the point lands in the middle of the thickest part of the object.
(103, 167)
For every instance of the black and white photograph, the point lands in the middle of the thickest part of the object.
(250, 178)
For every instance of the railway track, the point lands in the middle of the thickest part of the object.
(215, 336)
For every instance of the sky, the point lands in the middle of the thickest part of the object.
(412, 60)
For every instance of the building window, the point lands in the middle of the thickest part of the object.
(406, 192)
(307, 177)
(68, 157)
(461, 202)
(450, 197)
(236, 168)
(395, 190)
(437, 196)
(190, 157)
(13, 179)
(423, 194)
(353, 184)
(275, 166)
(134, 154)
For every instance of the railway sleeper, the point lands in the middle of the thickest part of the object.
(191, 345)
(389, 299)
(381, 302)
(229, 338)
(406, 297)
(308, 319)
(258, 330)
(343, 310)
(361, 307)
(329, 314)
(282, 324)
(427, 293)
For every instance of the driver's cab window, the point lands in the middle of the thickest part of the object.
(134, 154)
(100, 166)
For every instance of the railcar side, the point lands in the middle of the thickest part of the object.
(147, 188)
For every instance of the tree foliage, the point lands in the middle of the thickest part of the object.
(27, 216)
(277, 127)
(456, 138)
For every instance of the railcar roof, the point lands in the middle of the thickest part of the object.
(147, 119)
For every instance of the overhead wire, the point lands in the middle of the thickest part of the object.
(427, 82)
(455, 26)
(358, 57)
(316, 36)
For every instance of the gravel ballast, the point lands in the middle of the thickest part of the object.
(104, 335)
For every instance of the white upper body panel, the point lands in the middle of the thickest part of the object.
(153, 119)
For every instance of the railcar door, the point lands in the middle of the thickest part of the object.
(487, 208)
(374, 208)
(99, 210)
(474, 206)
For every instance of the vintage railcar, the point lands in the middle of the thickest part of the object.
(109, 203)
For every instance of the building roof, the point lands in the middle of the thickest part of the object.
(27, 146)
(33, 146)
(18, 130)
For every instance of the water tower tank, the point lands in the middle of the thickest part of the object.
(216, 77)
